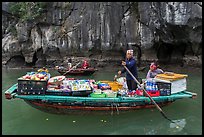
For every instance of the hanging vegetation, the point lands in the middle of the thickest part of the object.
(27, 10)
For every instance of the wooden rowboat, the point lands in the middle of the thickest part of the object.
(77, 71)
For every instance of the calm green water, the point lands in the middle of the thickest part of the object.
(18, 118)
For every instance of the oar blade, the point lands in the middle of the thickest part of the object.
(178, 124)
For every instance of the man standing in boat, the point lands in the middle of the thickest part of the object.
(130, 63)
(69, 63)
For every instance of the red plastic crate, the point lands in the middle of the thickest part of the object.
(139, 92)
(153, 93)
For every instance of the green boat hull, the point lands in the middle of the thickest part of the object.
(71, 104)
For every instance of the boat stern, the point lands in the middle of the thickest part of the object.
(9, 93)
(194, 95)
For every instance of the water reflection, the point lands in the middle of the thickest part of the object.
(19, 118)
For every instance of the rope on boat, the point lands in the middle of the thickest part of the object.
(116, 105)
(111, 109)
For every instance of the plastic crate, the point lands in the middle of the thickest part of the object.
(165, 92)
(153, 93)
(82, 93)
(164, 88)
(97, 95)
(31, 87)
(59, 92)
(139, 92)
(110, 93)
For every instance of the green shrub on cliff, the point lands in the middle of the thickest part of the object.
(27, 10)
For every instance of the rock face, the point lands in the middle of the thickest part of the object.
(101, 32)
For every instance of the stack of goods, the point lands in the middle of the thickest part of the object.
(55, 82)
(171, 81)
(93, 84)
(122, 81)
(35, 76)
(97, 93)
(80, 87)
(32, 83)
(114, 85)
(59, 85)
(151, 88)
(132, 93)
(104, 86)
(110, 93)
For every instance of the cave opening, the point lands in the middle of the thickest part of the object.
(32, 64)
(171, 53)
(164, 52)
(16, 61)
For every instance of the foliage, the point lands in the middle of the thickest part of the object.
(27, 10)
(13, 31)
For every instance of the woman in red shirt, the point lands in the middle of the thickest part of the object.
(85, 64)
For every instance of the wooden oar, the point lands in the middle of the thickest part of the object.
(149, 96)
(71, 68)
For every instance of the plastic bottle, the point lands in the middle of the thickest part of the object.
(150, 87)
(154, 86)
(147, 85)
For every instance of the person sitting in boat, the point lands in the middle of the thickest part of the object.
(154, 70)
(69, 63)
(85, 64)
(43, 70)
(130, 63)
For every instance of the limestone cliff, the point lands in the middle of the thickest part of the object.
(101, 31)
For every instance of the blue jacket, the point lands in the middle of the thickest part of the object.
(131, 65)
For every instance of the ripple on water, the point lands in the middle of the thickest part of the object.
(178, 125)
